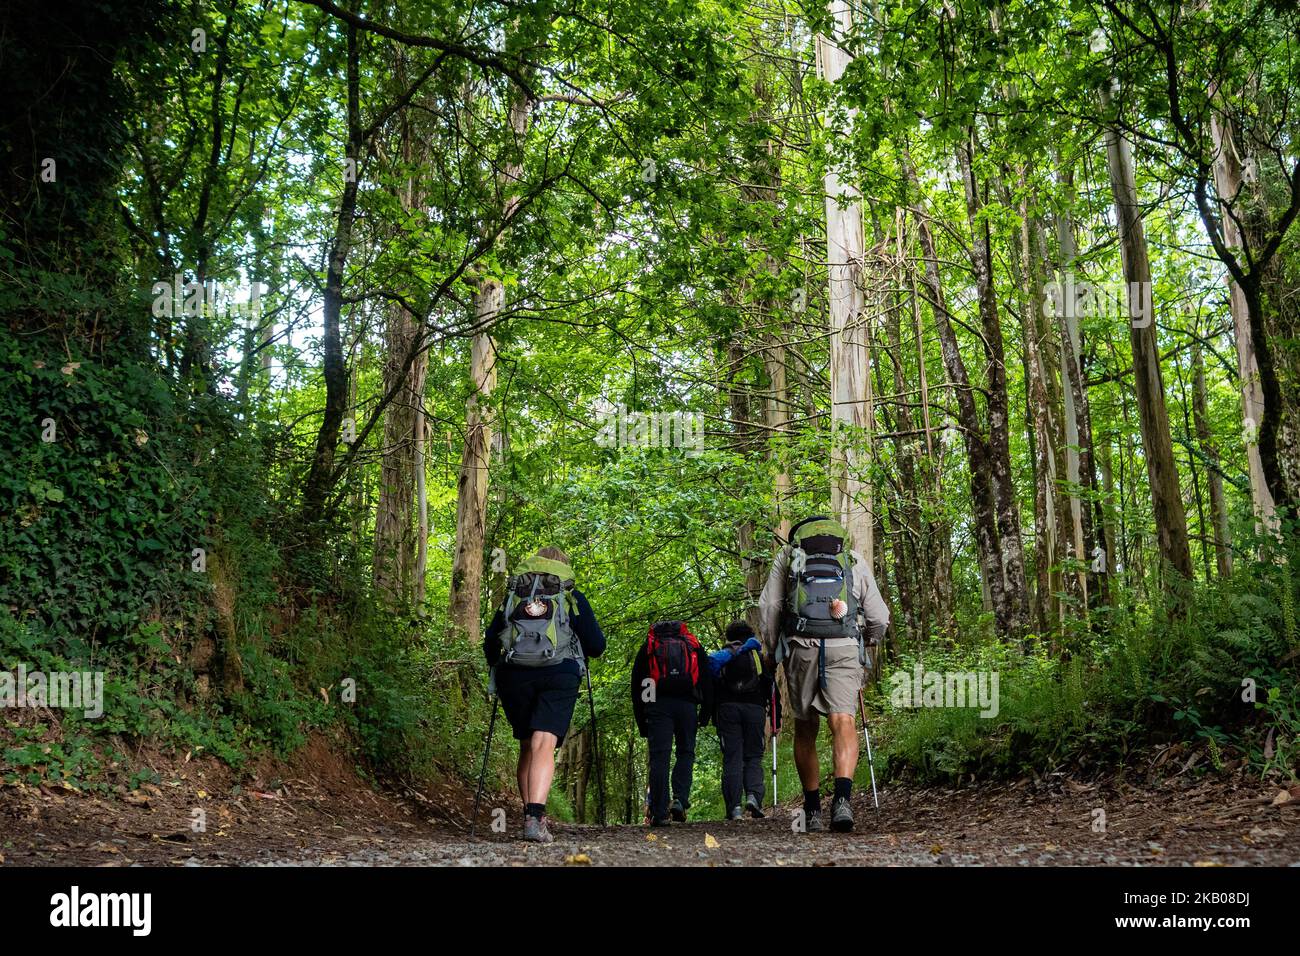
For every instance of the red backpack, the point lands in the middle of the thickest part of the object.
(673, 653)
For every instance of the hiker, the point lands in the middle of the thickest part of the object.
(819, 611)
(672, 696)
(743, 696)
(537, 646)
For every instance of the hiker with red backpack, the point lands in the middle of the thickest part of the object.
(672, 696)
(743, 685)
(537, 645)
(819, 611)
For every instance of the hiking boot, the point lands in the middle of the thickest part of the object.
(736, 814)
(754, 807)
(813, 822)
(536, 831)
(678, 811)
(661, 822)
(841, 815)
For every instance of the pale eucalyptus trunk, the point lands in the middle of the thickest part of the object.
(850, 359)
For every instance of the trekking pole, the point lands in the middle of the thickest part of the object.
(774, 733)
(482, 774)
(595, 744)
(871, 765)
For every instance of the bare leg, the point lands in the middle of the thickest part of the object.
(521, 769)
(844, 735)
(541, 766)
(805, 752)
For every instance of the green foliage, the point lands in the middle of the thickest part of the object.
(1144, 682)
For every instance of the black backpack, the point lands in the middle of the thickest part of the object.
(744, 672)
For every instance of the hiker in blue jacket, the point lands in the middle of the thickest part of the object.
(538, 645)
(743, 702)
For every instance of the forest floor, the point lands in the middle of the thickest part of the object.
(317, 811)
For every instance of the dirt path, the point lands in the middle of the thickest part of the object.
(304, 821)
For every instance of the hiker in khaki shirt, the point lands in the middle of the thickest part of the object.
(822, 682)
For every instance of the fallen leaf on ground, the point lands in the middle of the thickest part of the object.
(710, 841)
(577, 859)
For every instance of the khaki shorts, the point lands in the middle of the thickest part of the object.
(843, 680)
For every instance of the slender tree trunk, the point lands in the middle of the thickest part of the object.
(320, 478)
(999, 443)
(422, 505)
(1228, 185)
(1218, 508)
(778, 418)
(983, 504)
(1087, 514)
(1162, 472)
(397, 538)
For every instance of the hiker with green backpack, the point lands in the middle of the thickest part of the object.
(819, 611)
(537, 645)
(743, 693)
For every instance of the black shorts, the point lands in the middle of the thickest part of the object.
(538, 698)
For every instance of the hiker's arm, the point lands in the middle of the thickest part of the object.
(640, 671)
(706, 689)
(590, 636)
(769, 602)
(492, 639)
(875, 612)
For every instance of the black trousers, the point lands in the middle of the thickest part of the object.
(740, 731)
(667, 720)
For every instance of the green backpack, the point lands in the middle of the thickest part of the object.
(538, 612)
(819, 599)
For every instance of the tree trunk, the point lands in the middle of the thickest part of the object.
(397, 538)
(1157, 447)
(850, 359)
(472, 486)
(1218, 508)
(984, 508)
(320, 479)
(1228, 185)
(1087, 515)
(999, 443)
